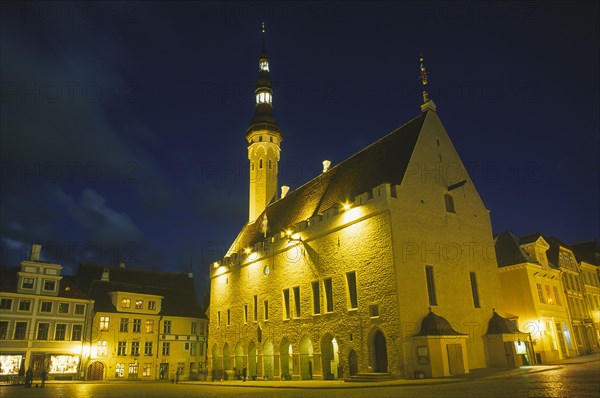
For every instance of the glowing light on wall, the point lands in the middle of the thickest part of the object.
(352, 214)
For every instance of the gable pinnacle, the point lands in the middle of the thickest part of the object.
(424, 80)
(427, 102)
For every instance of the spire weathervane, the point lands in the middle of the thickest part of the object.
(263, 36)
(424, 80)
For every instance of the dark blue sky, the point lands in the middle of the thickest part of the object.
(123, 124)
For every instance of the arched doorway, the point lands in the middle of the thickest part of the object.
(329, 355)
(252, 360)
(226, 358)
(96, 371)
(286, 359)
(268, 360)
(379, 353)
(306, 358)
(239, 358)
(216, 364)
(352, 363)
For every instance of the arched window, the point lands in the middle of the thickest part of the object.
(449, 201)
(260, 164)
(270, 165)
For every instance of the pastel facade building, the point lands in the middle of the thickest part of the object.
(146, 325)
(43, 320)
(588, 258)
(532, 291)
(383, 264)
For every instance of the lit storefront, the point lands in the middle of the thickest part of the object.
(10, 364)
(63, 364)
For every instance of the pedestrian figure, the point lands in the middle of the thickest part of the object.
(28, 378)
(44, 375)
(244, 373)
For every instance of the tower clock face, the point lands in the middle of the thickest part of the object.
(267, 270)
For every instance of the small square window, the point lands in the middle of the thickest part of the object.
(46, 306)
(151, 305)
(79, 309)
(5, 304)
(374, 310)
(63, 308)
(50, 285)
(139, 304)
(24, 305)
(27, 283)
(126, 303)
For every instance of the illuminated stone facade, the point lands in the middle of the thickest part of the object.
(43, 320)
(334, 279)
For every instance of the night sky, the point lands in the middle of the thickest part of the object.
(123, 124)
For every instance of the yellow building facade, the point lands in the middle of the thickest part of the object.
(588, 258)
(532, 291)
(382, 266)
(146, 325)
(44, 318)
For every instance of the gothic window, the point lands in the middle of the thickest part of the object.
(449, 201)
(431, 285)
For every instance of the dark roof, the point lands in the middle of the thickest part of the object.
(384, 161)
(68, 285)
(178, 290)
(435, 325)
(587, 251)
(529, 238)
(509, 252)
(500, 325)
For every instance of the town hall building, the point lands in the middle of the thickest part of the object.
(382, 266)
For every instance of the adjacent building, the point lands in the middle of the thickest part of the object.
(532, 291)
(44, 317)
(105, 323)
(588, 257)
(379, 265)
(146, 325)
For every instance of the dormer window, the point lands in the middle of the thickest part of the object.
(27, 283)
(264, 65)
(264, 97)
(139, 304)
(126, 303)
(50, 285)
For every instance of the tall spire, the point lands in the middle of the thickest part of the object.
(427, 102)
(264, 138)
(263, 115)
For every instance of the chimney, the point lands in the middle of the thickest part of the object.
(122, 263)
(35, 252)
(284, 191)
(105, 275)
(326, 164)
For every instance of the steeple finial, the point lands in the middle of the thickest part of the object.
(263, 36)
(424, 80)
(427, 102)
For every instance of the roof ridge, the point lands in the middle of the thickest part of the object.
(350, 157)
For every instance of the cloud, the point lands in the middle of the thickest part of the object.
(101, 224)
